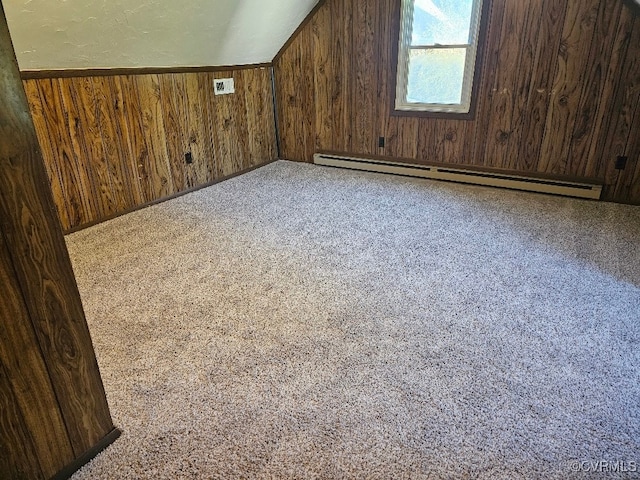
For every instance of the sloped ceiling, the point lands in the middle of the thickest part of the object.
(58, 34)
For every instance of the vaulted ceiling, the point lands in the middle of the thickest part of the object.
(58, 34)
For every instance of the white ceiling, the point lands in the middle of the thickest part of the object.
(57, 34)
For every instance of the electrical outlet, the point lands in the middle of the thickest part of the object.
(223, 86)
(188, 158)
(621, 162)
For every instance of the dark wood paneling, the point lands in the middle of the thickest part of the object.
(507, 87)
(54, 407)
(543, 72)
(557, 94)
(383, 91)
(26, 374)
(76, 174)
(80, 95)
(239, 128)
(173, 130)
(227, 132)
(206, 113)
(318, 55)
(129, 133)
(19, 460)
(40, 123)
(107, 100)
(54, 132)
(366, 45)
(629, 184)
(149, 106)
(260, 116)
(597, 86)
(114, 143)
(579, 28)
(488, 88)
(197, 136)
(622, 135)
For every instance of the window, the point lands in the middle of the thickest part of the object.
(437, 55)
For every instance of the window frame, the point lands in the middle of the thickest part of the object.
(398, 38)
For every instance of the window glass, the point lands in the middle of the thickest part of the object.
(437, 55)
(435, 76)
(443, 22)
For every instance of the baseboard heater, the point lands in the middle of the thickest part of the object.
(515, 182)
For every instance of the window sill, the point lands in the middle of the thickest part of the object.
(471, 115)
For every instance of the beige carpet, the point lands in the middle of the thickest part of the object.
(308, 322)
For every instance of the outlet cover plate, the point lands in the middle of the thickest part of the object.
(621, 162)
(223, 86)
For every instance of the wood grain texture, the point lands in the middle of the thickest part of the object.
(623, 138)
(503, 92)
(629, 182)
(240, 132)
(59, 409)
(173, 130)
(555, 81)
(595, 93)
(197, 132)
(82, 96)
(125, 130)
(19, 460)
(365, 44)
(107, 102)
(48, 286)
(260, 116)
(25, 372)
(387, 28)
(113, 143)
(227, 131)
(322, 77)
(76, 174)
(579, 28)
(146, 102)
(543, 73)
(39, 115)
(205, 98)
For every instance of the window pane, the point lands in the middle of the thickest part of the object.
(436, 75)
(444, 22)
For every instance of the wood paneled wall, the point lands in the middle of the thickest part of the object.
(559, 94)
(114, 143)
(53, 409)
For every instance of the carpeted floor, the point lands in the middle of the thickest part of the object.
(306, 322)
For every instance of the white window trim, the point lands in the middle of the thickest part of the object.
(404, 47)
